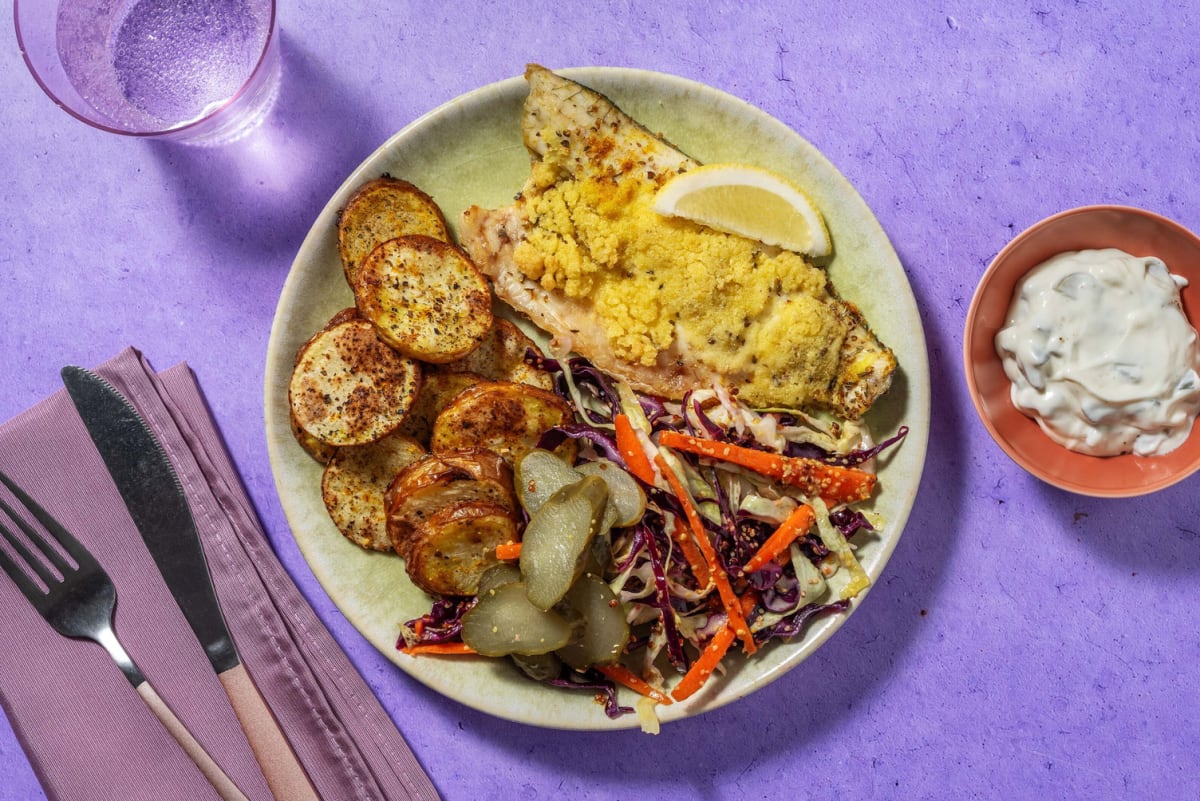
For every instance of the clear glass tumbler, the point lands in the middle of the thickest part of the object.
(196, 71)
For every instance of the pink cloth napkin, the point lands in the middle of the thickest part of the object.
(84, 728)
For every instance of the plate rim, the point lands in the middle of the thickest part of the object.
(916, 414)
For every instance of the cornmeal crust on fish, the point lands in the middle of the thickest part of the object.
(665, 304)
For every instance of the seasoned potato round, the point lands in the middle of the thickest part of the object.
(383, 209)
(318, 450)
(312, 446)
(501, 416)
(454, 547)
(426, 298)
(354, 484)
(438, 388)
(433, 482)
(501, 357)
(349, 387)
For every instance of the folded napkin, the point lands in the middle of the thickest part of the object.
(84, 728)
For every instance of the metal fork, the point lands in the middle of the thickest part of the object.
(78, 601)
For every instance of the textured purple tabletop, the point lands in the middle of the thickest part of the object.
(1023, 642)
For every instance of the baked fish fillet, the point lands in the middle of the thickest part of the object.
(661, 303)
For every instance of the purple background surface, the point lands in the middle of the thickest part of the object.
(1023, 643)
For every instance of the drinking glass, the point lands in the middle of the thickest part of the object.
(196, 71)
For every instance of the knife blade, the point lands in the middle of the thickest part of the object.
(154, 496)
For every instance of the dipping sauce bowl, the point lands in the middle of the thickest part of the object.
(1135, 231)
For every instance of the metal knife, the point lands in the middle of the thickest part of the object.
(155, 499)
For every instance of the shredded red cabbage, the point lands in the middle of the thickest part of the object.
(705, 427)
(728, 542)
(662, 600)
(849, 521)
(603, 689)
(851, 459)
(765, 577)
(443, 622)
(585, 376)
(603, 442)
(812, 547)
(654, 408)
(636, 545)
(793, 624)
(782, 596)
(751, 534)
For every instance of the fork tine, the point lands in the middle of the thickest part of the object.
(26, 554)
(31, 561)
(69, 544)
(27, 586)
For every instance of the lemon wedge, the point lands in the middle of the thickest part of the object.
(747, 201)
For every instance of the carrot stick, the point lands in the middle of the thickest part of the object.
(691, 553)
(749, 600)
(508, 551)
(796, 525)
(624, 676)
(729, 599)
(439, 648)
(846, 484)
(707, 662)
(631, 449)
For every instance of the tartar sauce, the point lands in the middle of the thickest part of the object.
(1100, 353)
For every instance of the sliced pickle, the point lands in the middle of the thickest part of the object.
(497, 576)
(599, 556)
(504, 622)
(538, 475)
(604, 632)
(555, 545)
(624, 494)
(539, 667)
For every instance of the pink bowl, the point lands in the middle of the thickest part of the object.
(1141, 233)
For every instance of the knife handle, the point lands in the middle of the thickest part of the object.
(208, 766)
(284, 773)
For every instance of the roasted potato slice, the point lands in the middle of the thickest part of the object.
(354, 484)
(501, 357)
(311, 445)
(314, 447)
(383, 209)
(434, 482)
(426, 298)
(341, 316)
(349, 387)
(453, 548)
(501, 416)
(476, 463)
(438, 388)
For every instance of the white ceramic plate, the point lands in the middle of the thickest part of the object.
(469, 151)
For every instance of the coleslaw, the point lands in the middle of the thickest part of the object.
(748, 532)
